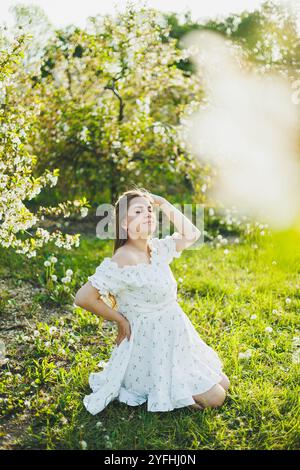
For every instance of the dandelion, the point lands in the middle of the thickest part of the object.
(268, 329)
(180, 279)
(53, 259)
(253, 317)
(65, 280)
(226, 252)
(47, 263)
(274, 311)
(52, 330)
(245, 355)
(54, 277)
(36, 333)
(287, 300)
(99, 424)
(242, 355)
(83, 445)
(69, 272)
(262, 233)
(236, 240)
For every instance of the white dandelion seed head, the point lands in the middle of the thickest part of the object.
(268, 329)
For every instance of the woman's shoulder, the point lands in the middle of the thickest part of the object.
(123, 257)
(166, 247)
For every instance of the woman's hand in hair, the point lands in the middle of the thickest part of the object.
(158, 200)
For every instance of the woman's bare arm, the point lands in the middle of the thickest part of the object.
(188, 231)
(88, 298)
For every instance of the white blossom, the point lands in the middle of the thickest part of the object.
(84, 211)
(83, 445)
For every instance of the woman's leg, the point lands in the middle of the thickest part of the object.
(224, 382)
(214, 397)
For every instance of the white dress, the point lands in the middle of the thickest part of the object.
(165, 361)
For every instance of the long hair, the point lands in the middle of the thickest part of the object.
(120, 213)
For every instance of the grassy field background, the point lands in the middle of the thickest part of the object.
(244, 302)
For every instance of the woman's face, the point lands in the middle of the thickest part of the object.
(141, 220)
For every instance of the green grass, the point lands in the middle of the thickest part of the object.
(219, 293)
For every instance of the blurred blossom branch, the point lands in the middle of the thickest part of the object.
(248, 131)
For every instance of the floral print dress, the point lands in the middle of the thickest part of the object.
(165, 361)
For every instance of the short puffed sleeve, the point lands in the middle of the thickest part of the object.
(107, 278)
(167, 247)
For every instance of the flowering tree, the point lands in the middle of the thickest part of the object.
(112, 103)
(17, 183)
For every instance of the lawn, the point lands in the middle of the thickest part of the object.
(244, 302)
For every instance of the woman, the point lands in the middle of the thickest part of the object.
(159, 356)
